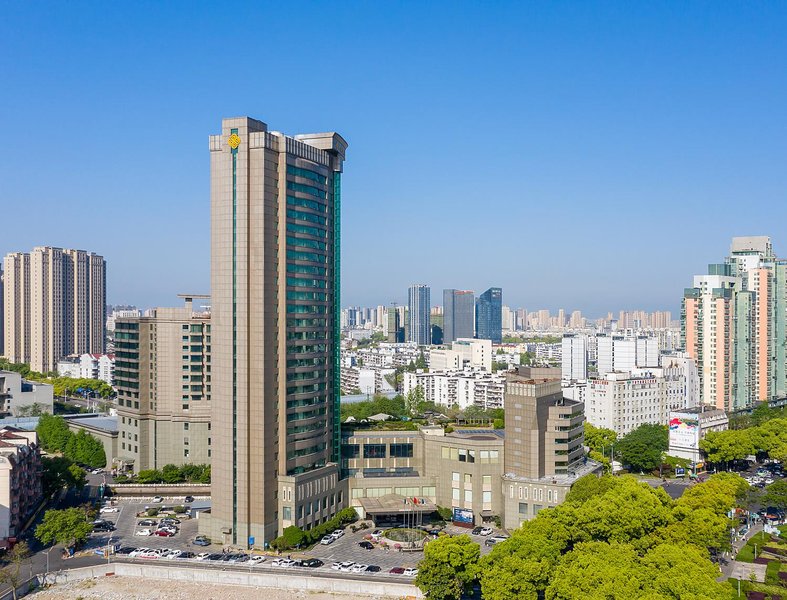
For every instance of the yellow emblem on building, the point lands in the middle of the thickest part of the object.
(234, 141)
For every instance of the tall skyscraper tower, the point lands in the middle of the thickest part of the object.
(489, 315)
(54, 305)
(458, 315)
(275, 317)
(419, 307)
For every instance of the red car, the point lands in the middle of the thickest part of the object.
(397, 570)
(163, 533)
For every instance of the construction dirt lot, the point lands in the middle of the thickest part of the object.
(127, 588)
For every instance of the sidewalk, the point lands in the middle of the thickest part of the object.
(733, 565)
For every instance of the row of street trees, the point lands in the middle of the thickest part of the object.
(613, 537)
(81, 447)
(62, 385)
(770, 437)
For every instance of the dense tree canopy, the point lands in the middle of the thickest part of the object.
(643, 448)
(449, 565)
(776, 494)
(613, 537)
(55, 436)
(67, 526)
(599, 439)
(736, 444)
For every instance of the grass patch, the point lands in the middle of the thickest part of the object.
(772, 572)
(746, 553)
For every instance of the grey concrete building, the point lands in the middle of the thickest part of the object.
(19, 397)
(275, 228)
(544, 448)
(163, 380)
(458, 315)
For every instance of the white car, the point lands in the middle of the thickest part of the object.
(359, 568)
(158, 499)
(336, 566)
(256, 560)
(109, 509)
(337, 534)
(201, 555)
(346, 567)
(284, 562)
(410, 572)
(149, 554)
(486, 531)
(144, 532)
(138, 551)
(172, 554)
(328, 539)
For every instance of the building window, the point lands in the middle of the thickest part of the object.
(487, 497)
(455, 476)
(549, 495)
(455, 494)
(286, 513)
(468, 478)
(374, 450)
(351, 451)
(523, 508)
(401, 450)
(536, 509)
(468, 495)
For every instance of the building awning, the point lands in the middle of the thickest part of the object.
(394, 504)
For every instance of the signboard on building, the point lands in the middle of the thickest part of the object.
(463, 517)
(684, 431)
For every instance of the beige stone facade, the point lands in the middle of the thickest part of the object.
(54, 305)
(163, 379)
(274, 279)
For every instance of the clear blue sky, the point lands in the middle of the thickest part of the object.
(582, 155)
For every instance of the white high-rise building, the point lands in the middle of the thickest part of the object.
(574, 359)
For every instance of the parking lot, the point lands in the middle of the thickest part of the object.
(344, 549)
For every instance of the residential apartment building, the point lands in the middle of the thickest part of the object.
(89, 366)
(464, 353)
(163, 381)
(734, 321)
(418, 299)
(54, 305)
(489, 316)
(458, 388)
(20, 479)
(275, 318)
(459, 314)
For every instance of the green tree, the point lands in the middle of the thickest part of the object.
(679, 571)
(776, 494)
(643, 447)
(719, 493)
(67, 526)
(12, 573)
(414, 399)
(725, 446)
(449, 566)
(519, 568)
(701, 527)
(293, 536)
(53, 432)
(172, 474)
(77, 476)
(589, 486)
(599, 439)
(149, 476)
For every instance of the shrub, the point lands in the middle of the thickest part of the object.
(152, 512)
(180, 509)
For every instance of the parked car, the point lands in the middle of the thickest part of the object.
(284, 562)
(137, 552)
(336, 566)
(185, 555)
(366, 545)
(477, 530)
(377, 534)
(202, 555)
(311, 562)
(103, 527)
(201, 541)
(158, 499)
(125, 550)
(337, 534)
(486, 531)
(397, 570)
(171, 520)
(163, 533)
(214, 556)
(495, 539)
(171, 554)
(147, 523)
(358, 568)
(108, 509)
(328, 539)
(188, 499)
(411, 572)
(346, 567)
(256, 560)
(373, 569)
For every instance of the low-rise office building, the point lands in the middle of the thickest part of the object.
(687, 427)
(19, 397)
